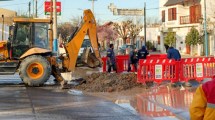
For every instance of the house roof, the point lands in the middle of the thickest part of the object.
(175, 2)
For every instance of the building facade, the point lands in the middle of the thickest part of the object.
(152, 35)
(6, 20)
(179, 16)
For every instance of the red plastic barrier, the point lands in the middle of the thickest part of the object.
(158, 70)
(197, 68)
(104, 59)
(157, 56)
(121, 63)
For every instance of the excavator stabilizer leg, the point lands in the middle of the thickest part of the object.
(89, 58)
(59, 78)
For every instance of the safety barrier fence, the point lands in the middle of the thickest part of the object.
(122, 62)
(197, 68)
(157, 68)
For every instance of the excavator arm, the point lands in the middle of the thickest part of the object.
(72, 48)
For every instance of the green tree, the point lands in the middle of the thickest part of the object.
(149, 45)
(170, 38)
(193, 37)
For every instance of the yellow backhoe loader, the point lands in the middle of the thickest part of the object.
(29, 50)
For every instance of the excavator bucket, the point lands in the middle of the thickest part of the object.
(89, 58)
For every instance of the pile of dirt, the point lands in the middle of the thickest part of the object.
(106, 82)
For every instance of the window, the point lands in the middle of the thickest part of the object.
(159, 40)
(172, 14)
(195, 13)
(21, 41)
(41, 35)
(163, 16)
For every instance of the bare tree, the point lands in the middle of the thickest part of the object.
(75, 20)
(127, 29)
(65, 29)
(122, 30)
(134, 31)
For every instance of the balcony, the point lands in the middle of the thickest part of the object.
(184, 20)
(188, 20)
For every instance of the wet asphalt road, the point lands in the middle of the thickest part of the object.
(51, 103)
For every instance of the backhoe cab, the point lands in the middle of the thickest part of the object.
(29, 50)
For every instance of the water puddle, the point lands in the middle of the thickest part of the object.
(75, 92)
(161, 103)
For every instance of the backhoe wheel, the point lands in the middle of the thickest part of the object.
(35, 70)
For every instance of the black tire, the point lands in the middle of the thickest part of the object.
(35, 70)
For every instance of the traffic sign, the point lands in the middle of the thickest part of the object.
(48, 8)
(126, 12)
(130, 12)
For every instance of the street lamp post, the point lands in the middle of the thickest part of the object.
(55, 26)
(205, 30)
(145, 24)
(93, 5)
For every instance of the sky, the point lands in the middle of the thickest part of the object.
(74, 8)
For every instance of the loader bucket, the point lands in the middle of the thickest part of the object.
(89, 58)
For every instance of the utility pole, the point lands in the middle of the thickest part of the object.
(205, 30)
(145, 23)
(36, 9)
(92, 5)
(2, 27)
(55, 25)
(29, 9)
(51, 25)
(33, 9)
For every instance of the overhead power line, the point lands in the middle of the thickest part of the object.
(13, 4)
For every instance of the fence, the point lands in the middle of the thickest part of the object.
(122, 62)
(157, 68)
(197, 68)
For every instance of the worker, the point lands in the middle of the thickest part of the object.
(173, 53)
(166, 47)
(111, 61)
(133, 59)
(203, 104)
(142, 53)
(40, 38)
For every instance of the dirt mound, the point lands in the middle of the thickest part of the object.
(106, 82)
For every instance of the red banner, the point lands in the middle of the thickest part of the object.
(48, 6)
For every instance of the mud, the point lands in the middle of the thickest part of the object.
(109, 82)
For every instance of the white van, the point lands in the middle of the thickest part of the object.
(86, 43)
